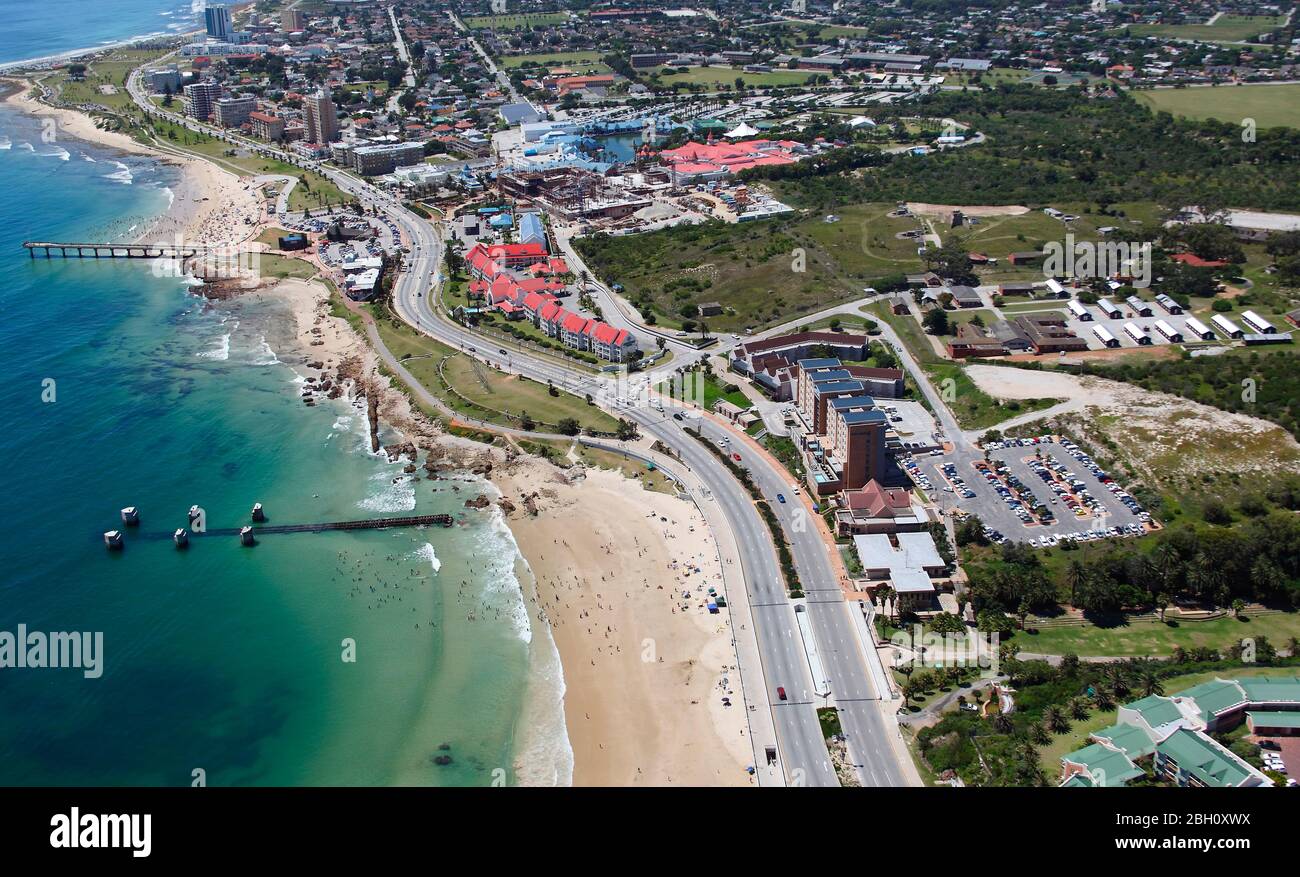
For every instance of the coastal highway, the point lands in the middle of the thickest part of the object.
(804, 757)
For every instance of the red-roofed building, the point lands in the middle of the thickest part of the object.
(1195, 261)
(874, 508)
(615, 345)
(574, 331)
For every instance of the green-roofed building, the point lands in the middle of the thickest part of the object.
(1079, 780)
(1280, 690)
(706, 126)
(1132, 740)
(1154, 712)
(1190, 758)
(1212, 700)
(1273, 723)
(1104, 767)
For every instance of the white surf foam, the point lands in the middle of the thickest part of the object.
(425, 552)
(122, 175)
(397, 494)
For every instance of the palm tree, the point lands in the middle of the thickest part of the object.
(1238, 605)
(1102, 699)
(1054, 720)
(1079, 708)
(1148, 678)
(1162, 603)
(886, 594)
(1116, 680)
(1038, 735)
(1002, 723)
(1076, 575)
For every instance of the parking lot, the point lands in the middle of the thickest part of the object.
(1038, 490)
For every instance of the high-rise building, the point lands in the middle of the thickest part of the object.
(217, 20)
(322, 122)
(200, 97)
(293, 20)
(231, 112)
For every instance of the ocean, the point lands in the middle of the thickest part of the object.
(38, 30)
(225, 662)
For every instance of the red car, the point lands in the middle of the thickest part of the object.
(736, 457)
(780, 692)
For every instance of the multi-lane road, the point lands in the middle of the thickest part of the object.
(803, 756)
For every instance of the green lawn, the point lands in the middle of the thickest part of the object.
(488, 394)
(108, 74)
(272, 265)
(1226, 29)
(1156, 639)
(514, 22)
(713, 76)
(1269, 105)
(574, 58)
(992, 76)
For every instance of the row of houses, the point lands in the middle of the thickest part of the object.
(535, 298)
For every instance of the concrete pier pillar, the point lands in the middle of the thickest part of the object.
(181, 537)
(113, 539)
(258, 514)
(131, 516)
(246, 536)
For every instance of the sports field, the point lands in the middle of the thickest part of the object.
(514, 22)
(582, 60)
(713, 76)
(1226, 28)
(1269, 105)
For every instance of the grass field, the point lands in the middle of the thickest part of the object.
(1155, 638)
(581, 60)
(272, 265)
(1269, 105)
(1226, 29)
(481, 392)
(992, 76)
(514, 22)
(105, 80)
(714, 76)
(761, 273)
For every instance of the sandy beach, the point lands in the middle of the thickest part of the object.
(643, 664)
(210, 206)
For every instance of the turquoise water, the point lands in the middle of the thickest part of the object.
(37, 30)
(224, 658)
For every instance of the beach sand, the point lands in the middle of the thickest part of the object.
(210, 206)
(643, 666)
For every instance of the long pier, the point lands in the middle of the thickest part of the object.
(92, 250)
(440, 520)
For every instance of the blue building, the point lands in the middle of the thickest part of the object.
(532, 230)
